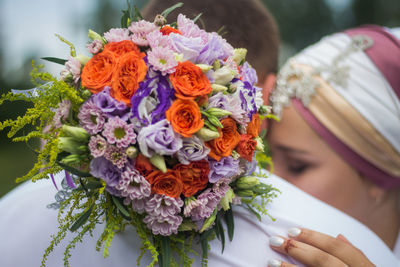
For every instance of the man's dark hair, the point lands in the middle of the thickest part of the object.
(247, 24)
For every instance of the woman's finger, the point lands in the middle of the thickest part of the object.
(337, 247)
(279, 263)
(304, 253)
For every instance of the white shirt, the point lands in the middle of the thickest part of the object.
(26, 225)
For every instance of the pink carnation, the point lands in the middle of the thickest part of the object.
(117, 35)
(95, 46)
(140, 29)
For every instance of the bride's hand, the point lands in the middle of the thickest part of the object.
(316, 249)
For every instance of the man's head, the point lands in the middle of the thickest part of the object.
(247, 24)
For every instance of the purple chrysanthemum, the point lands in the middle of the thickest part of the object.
(164, 206)
(95, 46)
(119, 132)
(117, 35)
(132, 185)
(246, 93)
(116, 155)
(91, 118)
(152, 99)
(226, 167)
(97, 146)
(61, 113)
(221, 187)
(140, 29)
(163, 225)
(162, 59)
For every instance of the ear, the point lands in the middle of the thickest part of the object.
(268, 86)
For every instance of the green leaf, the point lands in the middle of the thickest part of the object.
(82, 219)
(55, 60)
(136, 14)
(230, 223)
(204, 242)
(166, 12)
(165, 254)
(197, 17)
(221, 232)
(74, 171)
(93, 185)
(254, 211)
(121, 207)
(125, 18)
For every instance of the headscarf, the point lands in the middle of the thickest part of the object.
(347, 88)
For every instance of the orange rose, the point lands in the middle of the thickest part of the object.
(194, 176)
(130, 71)
(121, 48)
(189, 81)
(143, 165)
(226, 142)
(166, 30)
(246, 147)
(169, 183)
(185, 117)
(98, 71)
(253, 128)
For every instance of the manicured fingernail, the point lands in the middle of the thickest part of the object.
(274, 263)
(276, 241)
(293, 232)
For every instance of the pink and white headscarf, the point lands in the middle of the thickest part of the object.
(347, 87)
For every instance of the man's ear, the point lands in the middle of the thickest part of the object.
(268, 86)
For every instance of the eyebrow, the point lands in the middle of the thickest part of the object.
(290, 149)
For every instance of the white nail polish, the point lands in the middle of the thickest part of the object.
(274, 263)
(293, 232)
(276, 241)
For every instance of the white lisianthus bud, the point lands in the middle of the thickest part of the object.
(239, 54)
(235, 155)
(216, 64)
(131, 152)
(70, 145)
(86, 94)
(245, 193)
(71, 159)
(264, 110)
(159, 162)
(77, 133)
(260, 144)
(95, 36)
(204, 67)
(218, 112)
(206, 134)
(223, 75)
(82, 59)
(227, 199)
(247, 182)
(218, 88)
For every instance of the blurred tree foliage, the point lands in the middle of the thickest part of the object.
(301, 22)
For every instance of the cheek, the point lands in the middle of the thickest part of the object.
(340, 187)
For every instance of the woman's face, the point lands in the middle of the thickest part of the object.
(302, 158)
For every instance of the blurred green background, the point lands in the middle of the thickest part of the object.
(27, 32)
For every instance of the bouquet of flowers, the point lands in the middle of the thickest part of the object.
(158, 129)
